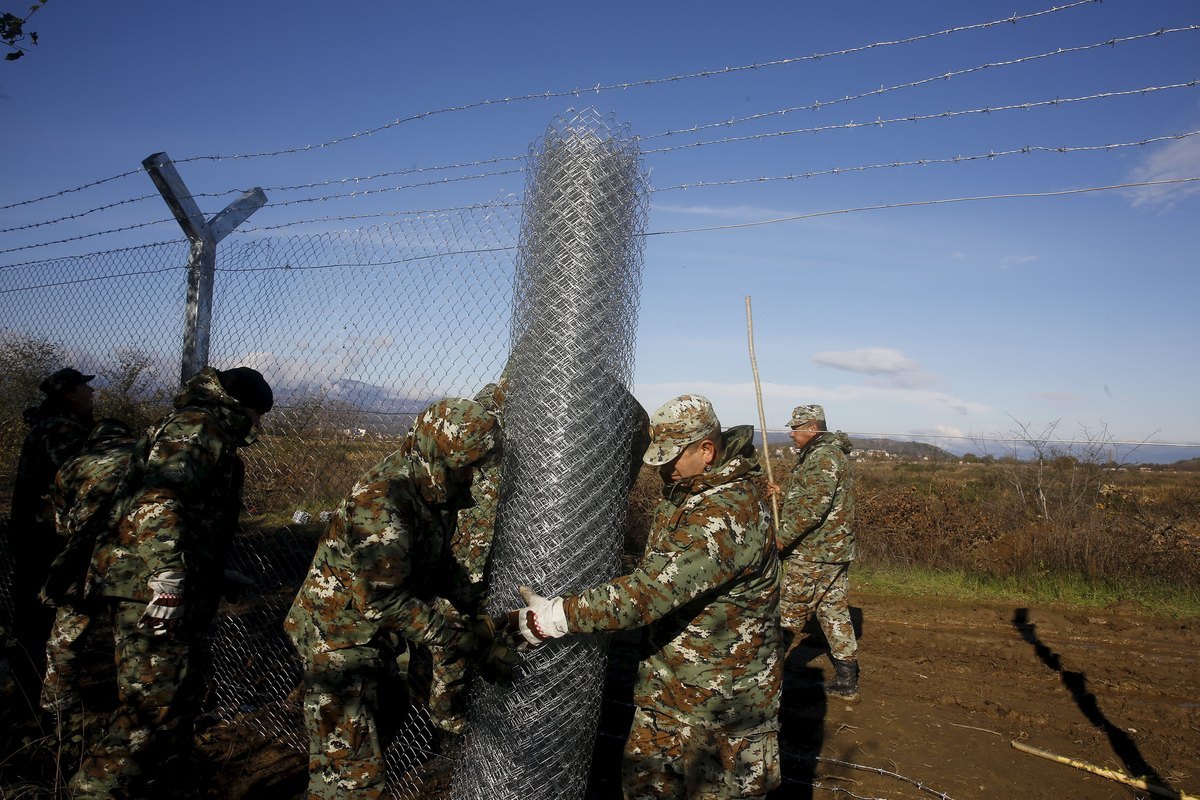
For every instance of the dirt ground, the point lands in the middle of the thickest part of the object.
(945, 688)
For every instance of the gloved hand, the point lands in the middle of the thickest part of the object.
(235, 585)
(486, 651)
(542, 618)
(166, 607)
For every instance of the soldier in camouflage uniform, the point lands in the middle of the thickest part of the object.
(816, 541)
(83, 499)
(161, 570)
(707, 588)
(382, 561)
(58, 429)
(471, 548)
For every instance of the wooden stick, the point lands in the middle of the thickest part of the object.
(762, 417)
(1137, 783)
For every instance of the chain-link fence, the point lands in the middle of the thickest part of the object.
(356, 331)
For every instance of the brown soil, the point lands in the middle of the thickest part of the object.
(945, 688)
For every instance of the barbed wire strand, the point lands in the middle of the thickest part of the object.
(578, 92)
(921, 162)
(920, 785)
(993, 65)
(1009, 439)
(918, 203)
(839, 126)
(816, 106)
(881, 122)
(797, 217)
(990, 155)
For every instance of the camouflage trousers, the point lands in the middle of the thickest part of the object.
(68, 637)
(350, 718)
(666, 759)
(153, 723)
(814, 587)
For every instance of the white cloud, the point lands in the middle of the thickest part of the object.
(940, 432)
(890, 365)
(1008, 261)
(1178, 159)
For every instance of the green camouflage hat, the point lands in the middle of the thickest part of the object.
(676, 424)
(456, 432)
(802, 415)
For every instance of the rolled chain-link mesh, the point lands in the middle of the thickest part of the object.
(356, 331)
(568, 451)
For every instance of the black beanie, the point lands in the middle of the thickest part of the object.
(248, 387)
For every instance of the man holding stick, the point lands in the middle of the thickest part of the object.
(816, 542)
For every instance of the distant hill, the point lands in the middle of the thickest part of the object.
(900, 449)
(913, 450)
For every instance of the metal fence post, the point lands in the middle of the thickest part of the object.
(204, 235)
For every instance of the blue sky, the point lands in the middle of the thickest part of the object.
(958, 319)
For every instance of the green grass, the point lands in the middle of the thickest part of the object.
(1072, 591)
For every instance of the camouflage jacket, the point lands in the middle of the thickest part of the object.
(180, 500)
(817, 518)
(84, 499)
(708, 588)
(385, 556)
(54, 437)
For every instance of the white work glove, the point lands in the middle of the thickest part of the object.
(166, 605)
(542, 618)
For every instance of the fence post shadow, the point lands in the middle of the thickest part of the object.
(1123, 745)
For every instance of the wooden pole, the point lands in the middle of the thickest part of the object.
(762, 417)
(1137, 783)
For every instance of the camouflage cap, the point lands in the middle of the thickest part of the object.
(63, 381)
(802, 415)
(676, 424)
(456, 432)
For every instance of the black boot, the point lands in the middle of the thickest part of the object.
(845, 680)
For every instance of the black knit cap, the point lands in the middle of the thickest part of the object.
(248, 387)
(63, 381)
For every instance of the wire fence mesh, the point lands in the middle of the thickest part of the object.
(569, 424)
(356, 331)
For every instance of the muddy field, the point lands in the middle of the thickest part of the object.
(945, 689)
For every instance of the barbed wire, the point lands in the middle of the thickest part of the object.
(373, 215)
(1112, 42)
(918, 203)
(80, 188)
(885, 772)
(578, 92)
(94, 278)
(920, 162)
(776, 220)
(943, 115)
(1009, 439)
(816, 106)
(881, 122)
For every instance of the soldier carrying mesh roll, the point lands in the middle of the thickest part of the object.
(707, 589)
